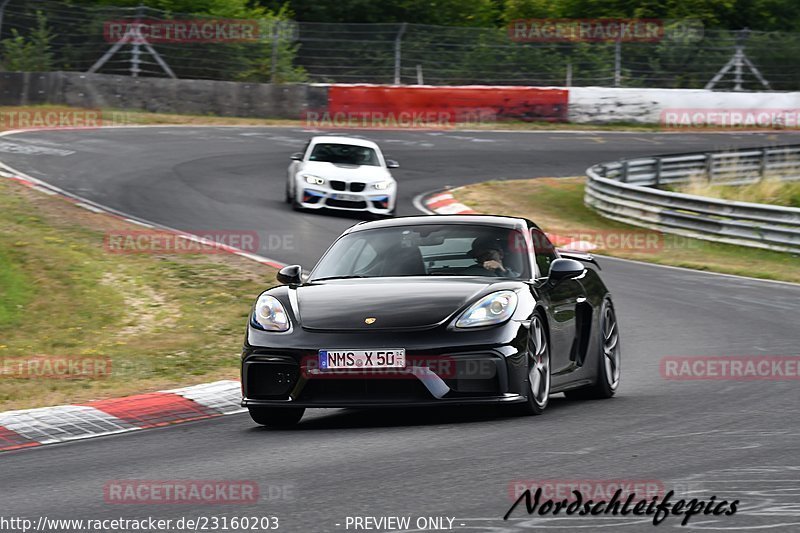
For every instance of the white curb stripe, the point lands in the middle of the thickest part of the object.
(222, 396)
(48, 425)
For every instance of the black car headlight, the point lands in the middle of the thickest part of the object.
(493, 308)
(269, 314)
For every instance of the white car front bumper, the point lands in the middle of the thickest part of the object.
(379, 202)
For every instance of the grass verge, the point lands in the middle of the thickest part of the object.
(769, 191)
(556, 204)
(161, 320)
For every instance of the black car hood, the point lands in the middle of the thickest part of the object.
(394, 303)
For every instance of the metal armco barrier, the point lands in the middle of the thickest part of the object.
(628, 191)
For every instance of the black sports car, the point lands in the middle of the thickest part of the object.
(432, 310)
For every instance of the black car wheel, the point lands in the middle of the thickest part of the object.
(608, 360)
(538, 380)
(276, 416)
(291, 199)
(296, 205)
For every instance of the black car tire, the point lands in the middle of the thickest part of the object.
(608, 358)
(289, 196)
(538, 365)
(295, 205)
(276, 416)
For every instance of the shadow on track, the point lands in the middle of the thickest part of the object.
(416, 416)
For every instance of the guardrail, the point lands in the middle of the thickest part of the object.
(628, 191)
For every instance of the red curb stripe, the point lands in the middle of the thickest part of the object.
(11, 440)
(441, 203)
(154, 409)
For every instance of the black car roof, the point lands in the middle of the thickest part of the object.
(486, 220)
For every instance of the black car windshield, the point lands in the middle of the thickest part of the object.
(427, 250)
(344, 154)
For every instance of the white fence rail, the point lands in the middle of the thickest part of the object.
(628, 191)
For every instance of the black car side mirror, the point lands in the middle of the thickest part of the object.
(297, 156)
(391, 163)
(290, 275)
(561, 269)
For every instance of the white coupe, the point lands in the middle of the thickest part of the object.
(345, 173)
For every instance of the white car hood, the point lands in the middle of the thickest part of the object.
(348, 173)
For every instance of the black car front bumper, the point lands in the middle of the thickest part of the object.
(485, 366)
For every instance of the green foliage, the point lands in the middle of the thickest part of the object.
(763, 15)
(214, 8)
(481, 13)
(28, 54)
(239, 61)
(258, 65)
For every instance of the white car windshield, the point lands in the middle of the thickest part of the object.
(344, 154)
(427, 250)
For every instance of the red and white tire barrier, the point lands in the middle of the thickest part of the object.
(48, 425)
(444, 203)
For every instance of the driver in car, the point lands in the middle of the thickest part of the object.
(488, 253)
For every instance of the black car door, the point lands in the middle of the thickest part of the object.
(564, 297)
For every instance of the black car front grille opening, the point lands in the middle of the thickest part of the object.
(269, 381)
(473, 377)
(346, 203)
(357, 187)
(369, 389)
(338, 185)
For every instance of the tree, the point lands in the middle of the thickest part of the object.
(28, 54)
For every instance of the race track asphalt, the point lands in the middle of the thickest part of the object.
(733, 439)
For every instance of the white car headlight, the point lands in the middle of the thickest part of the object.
(492, 309)
(382, 185)
(270, 314)
(314, 180)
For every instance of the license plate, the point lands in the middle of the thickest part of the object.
(355, 359)
(347, 197)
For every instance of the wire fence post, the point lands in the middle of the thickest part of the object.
(136, 51)
(618, 62)
(2, 10)
(273, 75)
(397, 54)
(736, 63)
